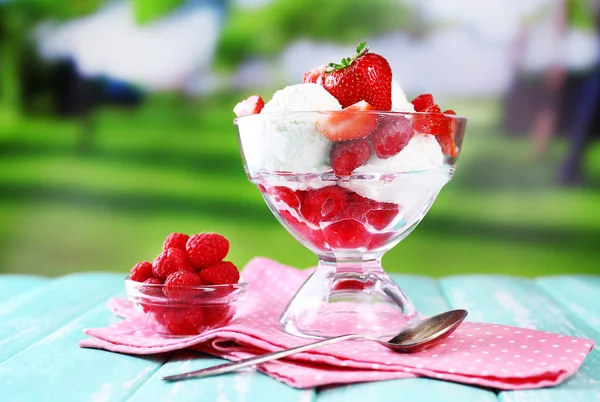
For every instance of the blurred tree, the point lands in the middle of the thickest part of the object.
(267, 30)
(17, 18)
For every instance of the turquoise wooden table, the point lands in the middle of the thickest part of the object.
(41, 321)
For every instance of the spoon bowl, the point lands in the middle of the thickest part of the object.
(417, 337)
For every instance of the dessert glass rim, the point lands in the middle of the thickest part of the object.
(242, 284)
(375, 112)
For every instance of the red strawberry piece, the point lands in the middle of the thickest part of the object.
(217, 315)
(349, 155)
(251, 105)
(287, 196)
(432, 109)
(176, 240)
(378, 240)
(362, 77)
(314, 76)
(346, 233)
(422, 102)
(184, 321)
(220, 273)
(141, 271)
(169, 261)
(381, 214)
(449, 111)
(376, 214)
(206, 248)
(447, 144)
(349, 284)
(323, 205)
(348, 124)
(431, 123)
(313, 236)
(178, 284)
(391, 136)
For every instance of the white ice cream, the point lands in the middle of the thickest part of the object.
(291, 143)
(288, 143)
(301, 98)
(400, 102)
(423, 152)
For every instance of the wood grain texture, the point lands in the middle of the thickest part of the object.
(579, 294)
(520, 302)
(244, 386)
(32, 315)
(425, 294)
(14, 285)
(62, 371)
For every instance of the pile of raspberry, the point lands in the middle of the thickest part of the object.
(186, 262)
(335, 218)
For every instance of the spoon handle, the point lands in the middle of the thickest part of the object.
(232, 366)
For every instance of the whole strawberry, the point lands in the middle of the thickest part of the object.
(364, 76)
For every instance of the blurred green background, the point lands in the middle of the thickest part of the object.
(97, 165)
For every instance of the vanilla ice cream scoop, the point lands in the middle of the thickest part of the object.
(400, 102)
(291, 141)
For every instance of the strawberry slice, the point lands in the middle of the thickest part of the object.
(314, 76)
(251, 105)
(349, 124)
(422, 102)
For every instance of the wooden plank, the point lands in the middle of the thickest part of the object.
(14, 285)
(580, 294)
(426, 295)
(32, 315)
(55, 368)
(245, 386)
(520, 302)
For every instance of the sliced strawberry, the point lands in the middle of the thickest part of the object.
(251, 105)
(314, 76)
(362, 77)
(432, 109)
(422, 102)
(347, 124)
(450, 111)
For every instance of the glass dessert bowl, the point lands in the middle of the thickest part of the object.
(349, 202)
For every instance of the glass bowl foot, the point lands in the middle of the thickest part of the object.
(348, 297)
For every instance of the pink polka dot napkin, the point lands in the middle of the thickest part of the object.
(481, 354)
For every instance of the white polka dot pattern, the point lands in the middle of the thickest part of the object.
(489, 355)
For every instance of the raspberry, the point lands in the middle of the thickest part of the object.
(347, 233)
(141, 271)
(184, 321)
(346, 156)
(152, 290)
(323, 205)
(206, 248)
(283, 194)
(220, 273)
(391, 136)
(176, 284)
(176, 240)
(170, 261)
(217, 315)
(421, 102)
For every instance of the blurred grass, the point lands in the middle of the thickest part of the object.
(174, 165)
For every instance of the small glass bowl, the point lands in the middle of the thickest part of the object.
(196, 309)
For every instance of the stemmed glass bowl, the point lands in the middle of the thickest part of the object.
(348, 221)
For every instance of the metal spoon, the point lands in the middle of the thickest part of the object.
(414, 338)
